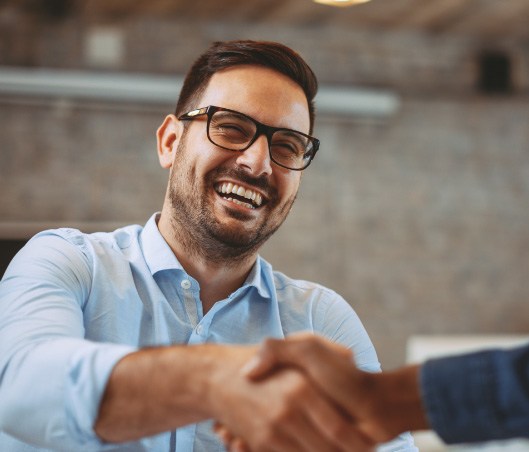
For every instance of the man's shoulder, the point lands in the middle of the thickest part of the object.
(87, 243)
(121, 236)
(285, 283)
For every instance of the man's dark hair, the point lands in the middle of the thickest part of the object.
(227, 54)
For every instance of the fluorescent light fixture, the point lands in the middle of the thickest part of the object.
(341, 2)
(164, 90)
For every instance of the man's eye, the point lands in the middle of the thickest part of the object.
(286, 152)
(230, 128)
(287, 147)
(230, 132)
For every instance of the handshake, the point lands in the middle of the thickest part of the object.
(318, 400)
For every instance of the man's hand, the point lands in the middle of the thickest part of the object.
(381, 405)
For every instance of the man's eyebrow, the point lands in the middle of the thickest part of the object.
(235, 114)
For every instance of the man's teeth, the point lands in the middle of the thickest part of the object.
(240, 203)
(228, 187)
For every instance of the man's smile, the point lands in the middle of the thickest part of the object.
(242, 196)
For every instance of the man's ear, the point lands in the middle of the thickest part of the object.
(167, 137)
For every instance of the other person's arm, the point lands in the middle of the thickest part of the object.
(475, 397)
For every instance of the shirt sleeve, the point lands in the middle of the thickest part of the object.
(336, 320)
(51, 378)
(479, 396)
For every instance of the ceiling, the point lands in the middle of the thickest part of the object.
(481, 18)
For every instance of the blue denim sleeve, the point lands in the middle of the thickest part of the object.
(479, 396)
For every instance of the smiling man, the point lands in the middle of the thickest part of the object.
(134, 340)
(209, 199)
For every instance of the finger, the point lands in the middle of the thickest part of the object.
(238, 445)
(328, 365)
(276, 352)
(259, 366)
(310, 438)
(223, 433)
(343, 434)
(338, 428)
(272, 354)
(317, 425)
(320, 428)
(280, 442)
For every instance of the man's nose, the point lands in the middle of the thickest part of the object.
(257, 157)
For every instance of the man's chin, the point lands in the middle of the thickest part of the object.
(234, 236)
(240, 214)
(237, 234)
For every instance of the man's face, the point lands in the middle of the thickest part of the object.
(203, 176)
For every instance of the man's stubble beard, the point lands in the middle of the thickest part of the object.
(195, 225)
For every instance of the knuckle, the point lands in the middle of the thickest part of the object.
(279, 416)
(299, 390)
(270, 343)
(267, 436)
(309, 345)
(340, 430)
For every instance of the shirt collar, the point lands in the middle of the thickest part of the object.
(159, 256)
(157, 252)
(261, 277)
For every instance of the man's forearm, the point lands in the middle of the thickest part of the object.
(160, 389)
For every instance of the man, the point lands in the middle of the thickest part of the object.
(473, 397)
(111, 340)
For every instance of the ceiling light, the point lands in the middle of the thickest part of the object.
(341, 2)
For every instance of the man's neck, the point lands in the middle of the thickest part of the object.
(217, 280)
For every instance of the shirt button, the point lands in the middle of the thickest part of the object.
(200, 329)
(185, 284)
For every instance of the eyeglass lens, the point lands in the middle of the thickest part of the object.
(234, 131)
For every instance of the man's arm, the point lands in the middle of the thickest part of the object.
(160, 389)
(52, 378)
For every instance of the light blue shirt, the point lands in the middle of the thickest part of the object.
(73, 304)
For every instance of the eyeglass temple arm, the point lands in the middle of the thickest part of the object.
(191, 114)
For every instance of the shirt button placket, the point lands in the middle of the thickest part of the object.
(189, 301)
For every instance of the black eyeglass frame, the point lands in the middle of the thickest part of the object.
(261, 129)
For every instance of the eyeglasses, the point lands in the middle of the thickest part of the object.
(234, 131)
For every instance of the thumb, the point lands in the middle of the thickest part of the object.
(267, 359)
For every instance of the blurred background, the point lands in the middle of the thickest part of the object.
(416, 208)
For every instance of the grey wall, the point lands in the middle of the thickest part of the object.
(420, 220)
